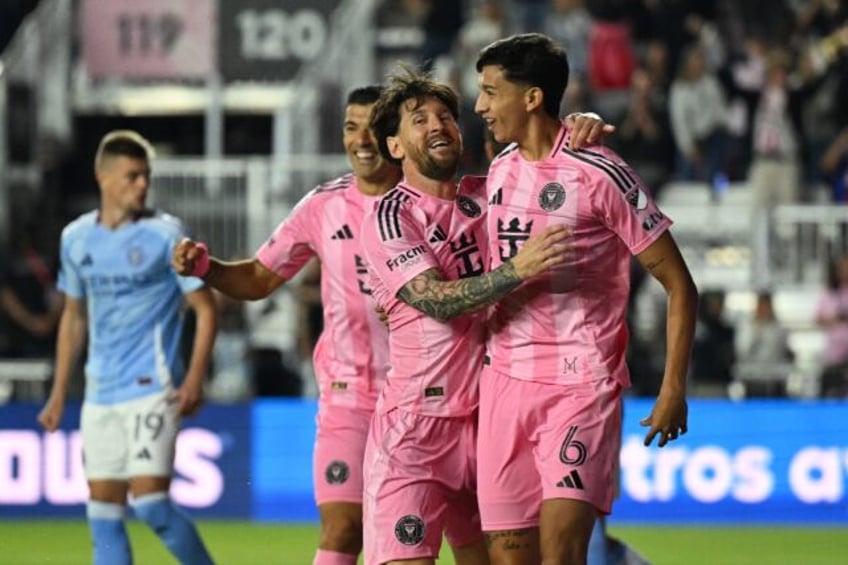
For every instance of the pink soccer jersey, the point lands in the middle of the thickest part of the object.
(568, 325)
(351, 356)
(434, 365)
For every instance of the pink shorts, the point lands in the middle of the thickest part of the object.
(419, 485)
(540, 442)
(339, 449)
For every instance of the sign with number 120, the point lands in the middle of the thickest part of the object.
(150, 39)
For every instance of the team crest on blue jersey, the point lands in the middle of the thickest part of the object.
(409, 530)
(552, 196)
(135, 256)
(468, 207)
(337, 473)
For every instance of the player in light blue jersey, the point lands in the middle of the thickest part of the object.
(120, 290)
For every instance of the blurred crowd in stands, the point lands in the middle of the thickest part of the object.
(713, 91)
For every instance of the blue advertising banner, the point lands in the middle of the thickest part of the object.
(41, 474)
(752, 462)
(284, 433)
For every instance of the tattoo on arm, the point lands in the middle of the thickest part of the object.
(444, 300)
(654, 264)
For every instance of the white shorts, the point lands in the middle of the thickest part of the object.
(130, 439)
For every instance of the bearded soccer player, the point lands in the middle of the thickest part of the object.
(426, 252)
(550, 410)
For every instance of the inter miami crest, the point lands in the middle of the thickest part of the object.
(337, 472)
(552, 196)
(468, 207)
(409, 530)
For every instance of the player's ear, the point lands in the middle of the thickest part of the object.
(533, 98)
(395, 149)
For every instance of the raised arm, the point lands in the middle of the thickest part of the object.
(243, 280)
(445, 299)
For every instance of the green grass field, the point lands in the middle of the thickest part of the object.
(242, 543)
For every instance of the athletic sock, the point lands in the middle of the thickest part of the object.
(174, 528)
(108, 533)
(326, 557)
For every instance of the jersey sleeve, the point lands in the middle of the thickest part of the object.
(396, 247)
(70, 281)
(626, 206)
(290, 246)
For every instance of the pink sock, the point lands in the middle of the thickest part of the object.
(325, 557)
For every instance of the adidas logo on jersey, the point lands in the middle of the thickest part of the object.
(143, 454)
(572, 480)
(438, 235)
(343, 233)
(86, 261)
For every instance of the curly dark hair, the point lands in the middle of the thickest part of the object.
(405, 85)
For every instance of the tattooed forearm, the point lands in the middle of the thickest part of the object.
(444, 300)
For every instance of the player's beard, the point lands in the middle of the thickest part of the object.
(441, 169)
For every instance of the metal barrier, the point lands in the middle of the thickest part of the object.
(234, 204)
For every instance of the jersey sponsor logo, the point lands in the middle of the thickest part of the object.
(343, 233)
(552, 196)
(362, 270)
(466, 250)
(571, 480)
(405, 257)
(572, 452)
(638, 199)
(438, 235)
(337, 473)
(512, 232)
(410, 530)
(652, 220)
(135, 256)
(468, 207)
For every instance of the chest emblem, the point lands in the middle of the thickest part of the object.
(135, 256)
(468, 207)
(551, 197)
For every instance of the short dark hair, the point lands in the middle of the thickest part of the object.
(364, 95)
(123, 143)
(406, 85)
(532, 59)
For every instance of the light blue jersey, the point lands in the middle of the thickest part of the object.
(134, 303)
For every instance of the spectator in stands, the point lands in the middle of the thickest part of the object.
(30, 303)
(834, 166)
(764, 349)
(698, 118)
(832, 317)
(645, 133)
(442, 21)
(714, 353)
